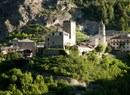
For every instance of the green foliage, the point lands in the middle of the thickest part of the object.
(35, 32)
(99, 48)
(19, 83)
(82, 68)
(13, 55)
(108, 49)
(81, 36)
(114, 13)
(90, 68)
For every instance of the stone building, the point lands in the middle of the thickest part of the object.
(57, 40)
(70, 27)
(120, 42)
(25, 44)
(100, 38)
(60, 39)
(21, 46)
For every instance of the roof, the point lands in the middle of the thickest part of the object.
(112, 32)
(26, 40)
(15, 39)
(85, 44)
(121, 37)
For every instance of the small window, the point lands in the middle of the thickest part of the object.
(47, 39)
(60, 33)
(99, 38)
(52, 33)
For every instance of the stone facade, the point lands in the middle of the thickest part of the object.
(25, 44)
(57, 40)
(20, 46)
(60, 39)
(54, 52)
(70, 27)
(120, 42)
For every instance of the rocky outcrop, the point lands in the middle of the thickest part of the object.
(16, 14)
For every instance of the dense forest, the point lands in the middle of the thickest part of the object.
(115, 13)
(106, 75)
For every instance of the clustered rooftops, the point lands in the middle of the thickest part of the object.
(126, 36)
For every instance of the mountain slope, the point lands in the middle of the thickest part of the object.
(16, 14)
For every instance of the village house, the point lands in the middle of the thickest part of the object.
(82, 47)
(26, 47)
(120, 42)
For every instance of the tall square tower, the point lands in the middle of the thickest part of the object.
(70, 27)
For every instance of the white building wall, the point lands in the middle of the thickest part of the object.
(82, 49)
(98, 39)
(66, 39)
(70, 27)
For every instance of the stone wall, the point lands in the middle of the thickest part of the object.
(53, 52)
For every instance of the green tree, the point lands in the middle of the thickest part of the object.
(99, 48)
(122, 24)
(108, 49)
(110, 13)
(13, 55)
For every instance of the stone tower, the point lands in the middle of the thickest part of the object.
(70, 27)
(102, 31)
(102, 28)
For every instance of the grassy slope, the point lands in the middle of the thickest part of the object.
(81, 36)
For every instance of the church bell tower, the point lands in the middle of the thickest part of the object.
(102, 28)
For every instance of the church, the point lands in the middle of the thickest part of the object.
(100, 38)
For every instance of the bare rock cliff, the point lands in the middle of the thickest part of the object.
(14, 14)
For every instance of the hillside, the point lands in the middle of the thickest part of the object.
(16, 15)
(64, 75)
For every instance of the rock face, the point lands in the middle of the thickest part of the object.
(18, 13)
(14, 14)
